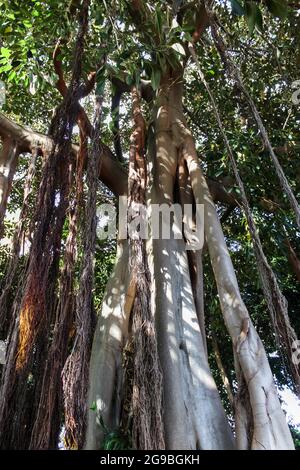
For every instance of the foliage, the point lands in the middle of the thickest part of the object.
(296, 436)
(113, 440)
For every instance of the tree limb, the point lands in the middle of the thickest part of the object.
(115, 111)
(112, 174)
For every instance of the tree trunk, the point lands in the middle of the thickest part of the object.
(194, 417)
(8, 163)
(222, 370)
(270, 430)
(104, 395)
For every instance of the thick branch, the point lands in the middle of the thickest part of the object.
(220, 194)
(112, 174)
(121, 86)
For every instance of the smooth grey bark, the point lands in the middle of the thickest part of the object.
(105, 378)
(270, 429)
(194, 417)
(193, 413)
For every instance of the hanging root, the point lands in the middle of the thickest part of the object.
(18, 239)
(270, 430)
(146, 399)
(28, 322)
(235, 74)
(39, 286)
(75, 372)
(47, 426)
(277, 303)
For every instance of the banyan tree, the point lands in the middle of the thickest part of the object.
(162, 104)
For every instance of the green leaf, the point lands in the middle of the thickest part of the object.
(5, 52)
(159, 22)
(137, 78)
(253, 16)
(162, 62)
(178, 48)
(219, 173)
(112, 70)
(100, 82)
(172, 60)
(155, 78)
(11, 76)
(102, 424)
(259, 20)
(94, 406)
(237, 8)
(6, 68)
(250, 15)
(187, 36)
(27, 24)
(278, 8)
(128, 80)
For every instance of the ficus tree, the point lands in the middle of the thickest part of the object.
(173, 354)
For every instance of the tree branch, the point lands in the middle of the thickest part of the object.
(121, 86)
(112, 174)
(115, 111)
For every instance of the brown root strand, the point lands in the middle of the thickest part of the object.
(18, 239)
(39, 289)
(147, 423)
(276, 302)
(75, 372)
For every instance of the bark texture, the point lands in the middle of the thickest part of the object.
(193, 414)
(8, 163)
